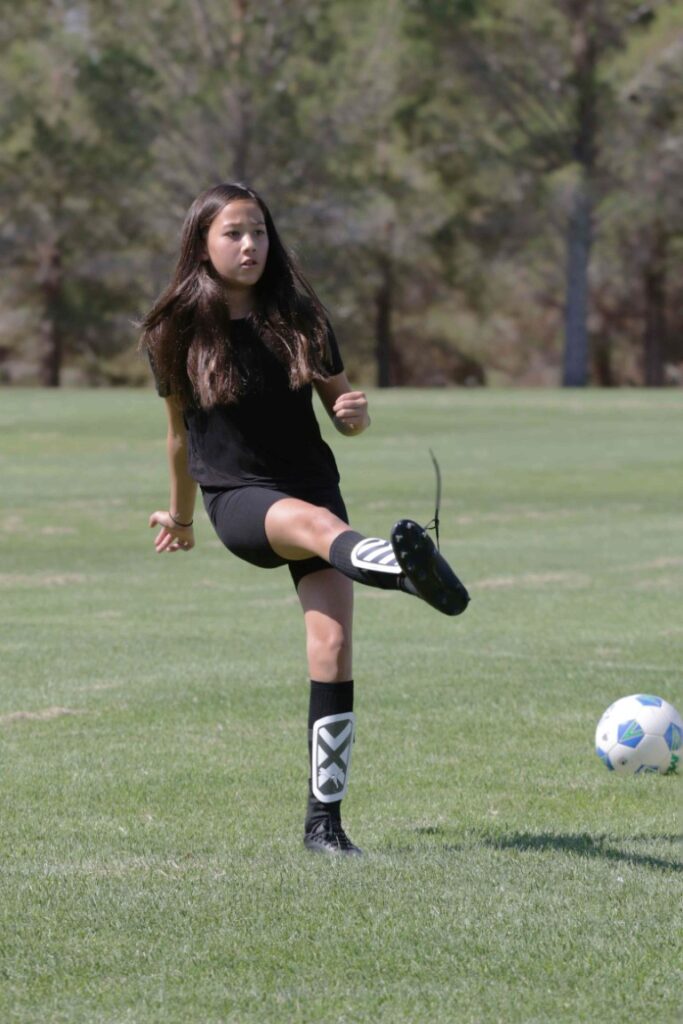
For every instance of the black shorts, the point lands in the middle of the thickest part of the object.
(239, 514)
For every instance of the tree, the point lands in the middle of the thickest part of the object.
(294, 99)
(76, 133)
(448, 174)
(539, 70)
(643, 221)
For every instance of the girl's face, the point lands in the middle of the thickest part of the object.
(237, 243)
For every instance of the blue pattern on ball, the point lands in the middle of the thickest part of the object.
(648, 700)
(630, 733)
(672, 737)
(604, 757)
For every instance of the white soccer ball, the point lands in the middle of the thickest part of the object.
(640, 733)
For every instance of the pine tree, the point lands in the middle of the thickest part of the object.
(76, 132)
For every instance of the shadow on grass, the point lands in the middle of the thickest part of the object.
(581, 844)
(585, 845)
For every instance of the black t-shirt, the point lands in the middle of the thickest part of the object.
(270, 436)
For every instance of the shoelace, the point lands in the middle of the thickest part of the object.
(433, 524)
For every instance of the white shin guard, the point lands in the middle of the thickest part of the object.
(331, 744)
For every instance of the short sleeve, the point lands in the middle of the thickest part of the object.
(163, 390)
(334, 363)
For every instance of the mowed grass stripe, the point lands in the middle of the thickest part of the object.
(153, 742)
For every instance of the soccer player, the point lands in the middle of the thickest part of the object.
(237, 341)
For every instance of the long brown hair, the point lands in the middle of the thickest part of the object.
(187, 332)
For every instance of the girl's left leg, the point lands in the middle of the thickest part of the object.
(327, 601)
(296, 529)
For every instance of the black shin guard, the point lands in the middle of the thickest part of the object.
(331, 728)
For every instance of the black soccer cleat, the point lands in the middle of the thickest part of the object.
(427, 569)
(328, 836)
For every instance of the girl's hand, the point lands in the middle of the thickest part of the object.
(351, 412)
(171, 537)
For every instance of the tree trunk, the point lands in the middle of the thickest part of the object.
(654, 335)
(51, 337)
(384, 297)
(579, 238)
(580, 227)
(602, 361)
(241, 92)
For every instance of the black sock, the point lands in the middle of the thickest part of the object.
(329, 762)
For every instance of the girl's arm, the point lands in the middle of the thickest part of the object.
(348, 409)
(183, 491)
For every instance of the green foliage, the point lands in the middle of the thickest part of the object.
(78, 127)
(431, 15)
(419, 156)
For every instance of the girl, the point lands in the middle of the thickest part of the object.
(236, 343)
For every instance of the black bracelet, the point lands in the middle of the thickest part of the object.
(183, 526)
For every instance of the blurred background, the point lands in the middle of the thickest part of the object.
(483, 192)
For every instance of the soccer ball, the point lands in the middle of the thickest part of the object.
(640, 733)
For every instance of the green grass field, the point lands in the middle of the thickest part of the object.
(153, 730)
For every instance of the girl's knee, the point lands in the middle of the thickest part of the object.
(329, 651)
(324, 524)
